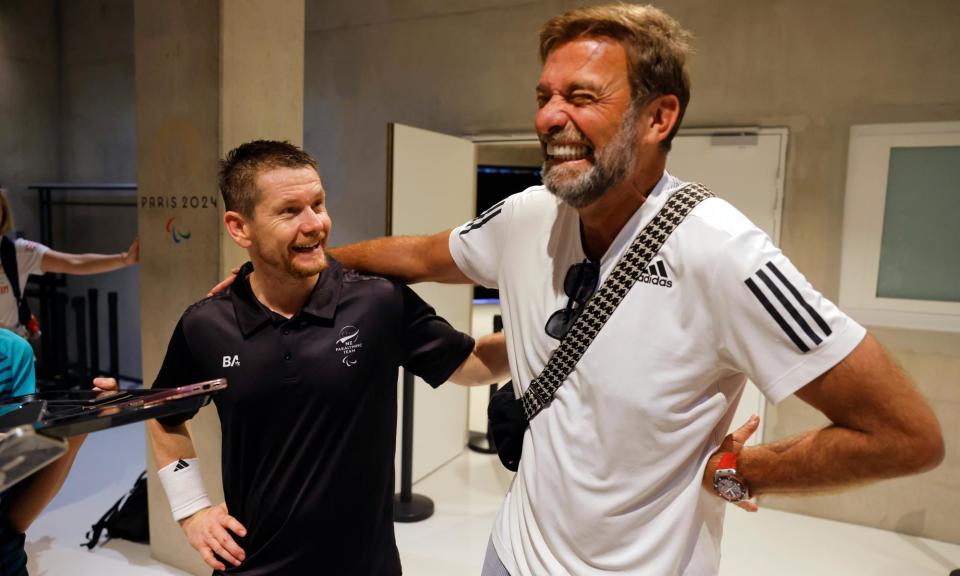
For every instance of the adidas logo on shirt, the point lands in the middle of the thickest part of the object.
(657, 275)
(180, 466)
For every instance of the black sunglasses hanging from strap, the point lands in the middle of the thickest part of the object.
(510, 416)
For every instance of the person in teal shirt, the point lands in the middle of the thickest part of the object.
(21, 504)
(16, 366)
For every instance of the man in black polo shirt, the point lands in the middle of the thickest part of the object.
(311, 353)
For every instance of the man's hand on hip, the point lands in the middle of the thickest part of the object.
(733, 442)
(209, 531)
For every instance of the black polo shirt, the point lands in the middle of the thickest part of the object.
(309, 415)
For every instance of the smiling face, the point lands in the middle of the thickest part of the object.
(290, 225)
(585, 121)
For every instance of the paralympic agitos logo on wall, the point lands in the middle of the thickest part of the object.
(178, 236)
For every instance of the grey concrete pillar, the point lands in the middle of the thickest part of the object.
(209, 75)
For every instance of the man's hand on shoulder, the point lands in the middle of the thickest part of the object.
(223, 284)
(209, 531)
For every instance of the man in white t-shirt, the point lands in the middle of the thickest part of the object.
(618, 474)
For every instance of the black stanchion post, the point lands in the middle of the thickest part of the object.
(60, 339)
(46, 368)
(407, 506)
(92, 302)
(113, 334)
(483, 441)
(79, 304)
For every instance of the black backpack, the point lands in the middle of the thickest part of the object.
(126, 519)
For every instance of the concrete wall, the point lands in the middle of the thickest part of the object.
(816, 66)
(97, 137)
(178, 111)
(67, 114)
(29, 86)
(456, 67)
(209, 76)
(98, 128)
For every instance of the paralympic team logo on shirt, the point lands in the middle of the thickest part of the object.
(348, 343)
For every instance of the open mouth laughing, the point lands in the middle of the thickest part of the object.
(566, 152)
(306, 248)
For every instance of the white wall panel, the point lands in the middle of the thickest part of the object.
(432, 187)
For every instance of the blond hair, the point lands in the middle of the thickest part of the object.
(6, 221)
(657, 48)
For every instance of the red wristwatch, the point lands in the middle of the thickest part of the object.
(727, 482)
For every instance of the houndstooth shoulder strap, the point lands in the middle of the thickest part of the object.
(601, 305)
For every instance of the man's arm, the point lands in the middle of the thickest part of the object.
(408, 258)
(881, 428)
(486, 364)
(206, 529)
(170, 443)
(209, 529)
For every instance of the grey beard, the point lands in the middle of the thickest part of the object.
(585, 189)
(612, 166)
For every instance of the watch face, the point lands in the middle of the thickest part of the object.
(730, 489)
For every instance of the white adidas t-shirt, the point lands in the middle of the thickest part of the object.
(29, 256)
(610, 479)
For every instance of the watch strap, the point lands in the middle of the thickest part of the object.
(728, 461)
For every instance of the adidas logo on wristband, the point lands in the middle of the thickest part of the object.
(184, 487)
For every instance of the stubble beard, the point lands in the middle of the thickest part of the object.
(310, 271)
(291, 268)
(612, 165)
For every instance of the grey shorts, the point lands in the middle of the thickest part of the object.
(492, 566)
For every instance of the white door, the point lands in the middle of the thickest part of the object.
(746, 169)
(431, 186)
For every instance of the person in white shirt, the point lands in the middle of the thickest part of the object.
(618, 473)
(35, 258)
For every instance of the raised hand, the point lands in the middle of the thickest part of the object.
(132, 255)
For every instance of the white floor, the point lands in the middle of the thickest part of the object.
(467, 493)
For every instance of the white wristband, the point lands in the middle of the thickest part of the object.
(184, 487)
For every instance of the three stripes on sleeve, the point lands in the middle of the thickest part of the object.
(812, 328)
